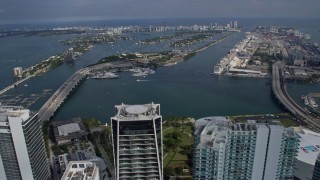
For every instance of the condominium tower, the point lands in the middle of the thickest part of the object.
(316, 170)
(251, 150)
(22, 150)
(137, 142)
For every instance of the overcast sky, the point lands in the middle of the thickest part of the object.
(69, 10)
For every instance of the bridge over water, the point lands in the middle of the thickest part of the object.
(14, 85)
(281, 93)
(56, 100)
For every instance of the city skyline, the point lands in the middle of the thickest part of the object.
(42, 11)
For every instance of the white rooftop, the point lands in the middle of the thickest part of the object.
(81, 170)
(137, 112)
(137, 109)
(212, 131)
(14, 111)
(66, 129)
(309, 147)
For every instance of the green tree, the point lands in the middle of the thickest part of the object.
(178, 170)
(168, 171)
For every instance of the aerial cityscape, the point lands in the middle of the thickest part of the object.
(191, 90)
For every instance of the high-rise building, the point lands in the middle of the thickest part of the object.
(17, 72)
(251, 150)
(307, 159)
(316, 170)
(22, 150)
(235, 24)
(137, 142)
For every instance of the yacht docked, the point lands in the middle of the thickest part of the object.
(106, 75)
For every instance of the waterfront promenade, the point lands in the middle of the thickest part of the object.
(56, 100)
(281, 93)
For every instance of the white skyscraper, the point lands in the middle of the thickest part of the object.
(235, 24)
(252, 150)
(137, 142)
(17, 72)
(22, 150)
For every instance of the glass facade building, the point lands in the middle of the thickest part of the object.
(137, 142)
(316, 170)
(22, 150)
(251, 150)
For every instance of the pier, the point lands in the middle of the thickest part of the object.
(281, 93)
(57, 99)
(314, 95)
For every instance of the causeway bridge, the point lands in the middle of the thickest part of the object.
(56, 100)
(14, 85)
(281, 93)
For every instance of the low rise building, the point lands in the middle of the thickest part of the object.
(81, 156)
(64, 161)
(68, 131)
(81, 170)
(301, 63)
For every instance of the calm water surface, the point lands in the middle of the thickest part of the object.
(186, 89)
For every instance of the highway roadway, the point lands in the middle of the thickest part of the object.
(15, 84)
(55, 101)
(280, 91)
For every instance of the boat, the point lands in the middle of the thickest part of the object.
(139, 74)
(135, 70)
(141, 71)
(312, 102)
(309, 101)
(106, 75)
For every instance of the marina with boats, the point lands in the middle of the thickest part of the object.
(136, 72)
(105, 75)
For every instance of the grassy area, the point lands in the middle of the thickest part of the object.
(189, 55)
(90, 123)
(289, 123)
(168, 158)
(178, 145)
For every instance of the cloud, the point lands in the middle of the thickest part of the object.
(36, 10)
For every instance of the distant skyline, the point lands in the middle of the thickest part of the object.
(19, 11)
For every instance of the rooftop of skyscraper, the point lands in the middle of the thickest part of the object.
(211, 131)
(309, 145)
(13, 111)
(137, 112)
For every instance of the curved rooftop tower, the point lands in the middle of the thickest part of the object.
(137, 141)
